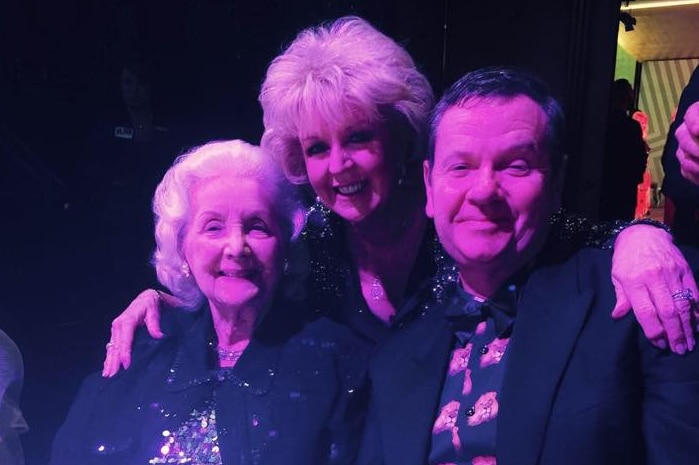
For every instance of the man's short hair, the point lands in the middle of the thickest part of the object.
(504, 83)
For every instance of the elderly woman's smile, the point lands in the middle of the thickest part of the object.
(233, 244)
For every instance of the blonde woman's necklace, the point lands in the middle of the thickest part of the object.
(377, 290)
(228, 355)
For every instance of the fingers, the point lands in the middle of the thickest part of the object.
(683, 291)
(676, 323)
(152, 317)
(687, 135)
(648, 318)
(691, 120)
(683, 307)
(648, 269)
(689, 166)
(123, 331)
(111, 362)
(124, 327)
(622, 306)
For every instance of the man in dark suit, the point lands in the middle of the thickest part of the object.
(518, 364)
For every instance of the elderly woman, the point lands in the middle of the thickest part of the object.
(346, 110)
(241, 378)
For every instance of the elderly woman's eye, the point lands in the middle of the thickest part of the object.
(361, 137)
(258, 226)
(315, 149)
(213, 226)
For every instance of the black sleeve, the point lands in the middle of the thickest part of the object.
(680, 190)
(370, 447)
(348, 421)
(68, 443)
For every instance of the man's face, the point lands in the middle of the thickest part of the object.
(134, 91)
(490, 190)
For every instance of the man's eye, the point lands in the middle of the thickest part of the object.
(361, 137)
(315, 149)
(460, 167)
(518, 168)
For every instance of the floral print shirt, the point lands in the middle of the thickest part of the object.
(464, 431)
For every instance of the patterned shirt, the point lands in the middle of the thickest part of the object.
(465, 429)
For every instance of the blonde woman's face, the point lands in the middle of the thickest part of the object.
(351, 166)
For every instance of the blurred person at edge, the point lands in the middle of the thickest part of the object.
(12, 422)
(643, 194)
(681, 165)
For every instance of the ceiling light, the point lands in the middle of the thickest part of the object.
(658, 4)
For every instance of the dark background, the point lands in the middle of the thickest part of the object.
(72, 257)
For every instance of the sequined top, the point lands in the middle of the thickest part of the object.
(195, 442)
(293, 397)
(334, 285)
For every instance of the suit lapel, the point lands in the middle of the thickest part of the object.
(415, 375)
(550, 316)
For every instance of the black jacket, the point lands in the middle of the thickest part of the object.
(289, 400)
(580, 387)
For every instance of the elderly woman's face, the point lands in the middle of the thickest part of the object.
(233, 242)
(351, 167)
(490, 190)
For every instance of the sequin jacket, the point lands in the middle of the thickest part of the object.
(334, 287)
(291, 399)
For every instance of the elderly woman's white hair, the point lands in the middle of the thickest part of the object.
(171, 204)
(336, 69)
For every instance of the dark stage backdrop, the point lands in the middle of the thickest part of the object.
(72, 256)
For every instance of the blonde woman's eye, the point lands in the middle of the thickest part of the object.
(316, 149)
(361, 137)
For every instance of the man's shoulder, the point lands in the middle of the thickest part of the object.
(587, 262)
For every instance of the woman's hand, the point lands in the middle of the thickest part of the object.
(649, 275)
(145, 308)
(687, 135)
